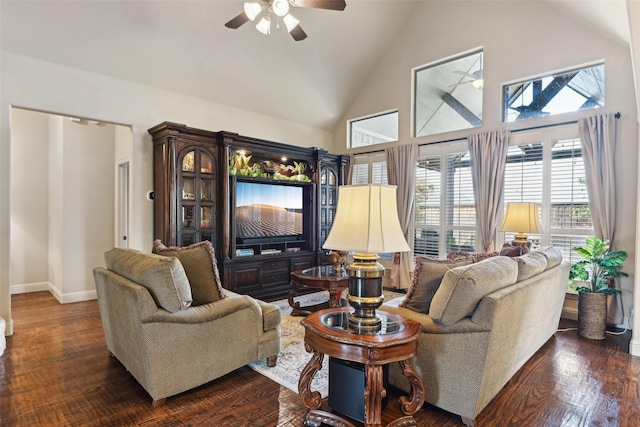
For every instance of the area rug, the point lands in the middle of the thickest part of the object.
(293, 357)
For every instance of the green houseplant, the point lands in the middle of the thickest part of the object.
(592, 277)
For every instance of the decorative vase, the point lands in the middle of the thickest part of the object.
(592, 315)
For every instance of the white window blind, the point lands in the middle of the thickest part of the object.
(444, 214)
(427, 206)
(546, 167)
(460, 204)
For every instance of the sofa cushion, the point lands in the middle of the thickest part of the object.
(462, 288)
(164, 277)
(199, 262)
(552, 254)
(427, 276)
(530, 264)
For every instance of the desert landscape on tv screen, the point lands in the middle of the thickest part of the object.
(268, 211)
(266, 221)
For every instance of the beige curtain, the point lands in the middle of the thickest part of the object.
(488, 162)
(401, 171)
(348, 170)
(598, 137)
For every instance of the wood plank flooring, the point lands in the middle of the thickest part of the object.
(57, 371)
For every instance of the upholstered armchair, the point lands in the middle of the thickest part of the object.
(167, 339)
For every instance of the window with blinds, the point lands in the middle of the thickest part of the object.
(370, 170)
(444, 213)
(547, 167)
(543, 166)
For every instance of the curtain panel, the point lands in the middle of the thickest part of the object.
(401, 172)
(598, 138)
(488, 162)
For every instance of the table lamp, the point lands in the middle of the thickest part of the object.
(522, 218)
(366, 223)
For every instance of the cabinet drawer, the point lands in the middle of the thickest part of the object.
(275, 277)
(276, 264)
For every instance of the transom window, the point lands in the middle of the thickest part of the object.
(574, 90)
(371, 130)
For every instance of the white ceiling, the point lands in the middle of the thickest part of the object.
(183, 46)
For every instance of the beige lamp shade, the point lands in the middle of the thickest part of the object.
(522, 218)
(367, 220)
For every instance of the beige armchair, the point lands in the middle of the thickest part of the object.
(168, 344)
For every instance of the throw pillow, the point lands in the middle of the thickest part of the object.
(484, 255)
(511, 250)
(199, 262)
(427, 276)
(165, 278)
(462, 288)
(458, 255)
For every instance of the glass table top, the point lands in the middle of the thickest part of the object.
(339, 320)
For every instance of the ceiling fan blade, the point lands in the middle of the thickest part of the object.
(298, 33)
(320, 4)
(237, 21)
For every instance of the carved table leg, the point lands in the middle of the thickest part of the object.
(416, 396)
(311, 400)
(373, 394)
(316, 418)
(292, 294)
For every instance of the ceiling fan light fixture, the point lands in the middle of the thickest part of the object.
(290, 22)
(264, 26)
(280, 7)
(252, 9)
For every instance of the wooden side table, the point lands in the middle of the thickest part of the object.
(327, 333)
(324, 277)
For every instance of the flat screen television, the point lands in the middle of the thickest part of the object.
(268, 211)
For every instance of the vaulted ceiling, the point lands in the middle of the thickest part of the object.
(184, 47)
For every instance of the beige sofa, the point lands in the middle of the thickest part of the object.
(168, 344)
(485, 320)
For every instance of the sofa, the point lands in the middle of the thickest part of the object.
(170, 338)
(481, 321)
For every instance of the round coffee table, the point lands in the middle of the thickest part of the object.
(327, 332)
(324, 277)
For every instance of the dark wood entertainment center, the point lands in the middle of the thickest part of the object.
(195, 196)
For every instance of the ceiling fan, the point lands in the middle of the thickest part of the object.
(476, 77)
(280, 9)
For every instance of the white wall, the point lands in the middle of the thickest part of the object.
(634, 18)
(87, 195)
(30, 198)
(43, 86)
(62, 203)
(520, 40)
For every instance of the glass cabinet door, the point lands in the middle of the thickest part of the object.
(196, 183)
(328, 200)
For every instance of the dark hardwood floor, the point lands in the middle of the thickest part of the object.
(57, 371)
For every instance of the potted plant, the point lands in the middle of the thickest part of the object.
(593, 278)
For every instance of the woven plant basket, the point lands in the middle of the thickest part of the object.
(592, 315)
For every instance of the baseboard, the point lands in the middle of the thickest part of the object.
(570, 306)
(30, 287)
(634, 347)
(569, 313)
(63, 298)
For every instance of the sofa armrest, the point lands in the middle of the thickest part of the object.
(206, 312)
(271, 315)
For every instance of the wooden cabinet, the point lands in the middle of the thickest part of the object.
(197, 174)
(188, 185)
(264, 277)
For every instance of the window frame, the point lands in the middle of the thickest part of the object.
(351, 122)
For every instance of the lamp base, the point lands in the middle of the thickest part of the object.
(365, 292)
